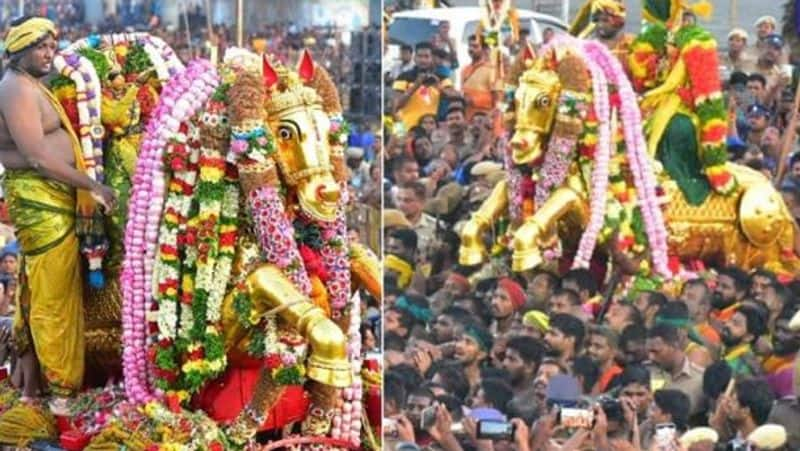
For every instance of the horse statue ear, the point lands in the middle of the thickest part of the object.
(306, 67)
(270, 75)
(528, 54)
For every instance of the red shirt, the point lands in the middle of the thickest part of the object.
(608, 375)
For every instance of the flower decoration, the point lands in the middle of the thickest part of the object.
(181, 97)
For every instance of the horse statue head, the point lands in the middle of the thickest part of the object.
(536, 102)
(297, 117)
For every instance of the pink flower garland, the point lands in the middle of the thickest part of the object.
(180, 98)
(276, 235)
(554, 169)
(347, 421)
(644, 177)
(600, 171)
(336, 258)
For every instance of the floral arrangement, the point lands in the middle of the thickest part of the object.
(217, 198)
(347, 420)
(335, 258)
(645, 60)
(600, 171)
(158, 427)
(86, 123)
(284, 354)
(181, 97)
(638, 158)
(182, 156)
(704, 95)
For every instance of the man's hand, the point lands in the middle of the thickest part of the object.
(423, 361)
(104, 196)
(405, 430)
(443, 426)
(521, 434)
(544, 428)
(629, 410)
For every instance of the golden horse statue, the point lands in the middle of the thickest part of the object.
(749, 228)
(303, 177)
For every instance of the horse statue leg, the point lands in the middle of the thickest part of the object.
(473, 251)
(540, 230)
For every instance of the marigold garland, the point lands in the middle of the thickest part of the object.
(699, 54)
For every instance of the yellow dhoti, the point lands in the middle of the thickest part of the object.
(50, 306)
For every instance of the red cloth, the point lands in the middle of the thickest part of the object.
(459, 280)
(225, 397)
(514, 291)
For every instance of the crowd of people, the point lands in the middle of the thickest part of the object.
(711, 363)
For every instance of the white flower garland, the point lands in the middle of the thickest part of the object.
(88, 96)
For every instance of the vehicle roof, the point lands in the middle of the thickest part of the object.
(469, 12)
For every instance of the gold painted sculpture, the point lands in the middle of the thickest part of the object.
(750, 228)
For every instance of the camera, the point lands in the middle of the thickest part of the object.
(495, 430)
(427, 419)
(612, 408)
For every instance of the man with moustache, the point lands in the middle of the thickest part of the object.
(697, 296)
(46, 187)
(760, 281)
(602, 348)
(522, 359)
(673, 369)
(450, 324)
(564, 338)
(779, 367)
(738, 335)
(541, 285)
(508, 297)
(731, 289)
(549, 368)
(607, 19)
(472, 350)
(455, 286)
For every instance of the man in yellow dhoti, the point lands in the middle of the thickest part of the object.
(45, 184)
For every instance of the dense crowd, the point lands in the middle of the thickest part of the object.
(711, 362)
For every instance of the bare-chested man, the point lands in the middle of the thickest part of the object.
(39, 151)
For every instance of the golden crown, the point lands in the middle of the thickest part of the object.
(290, 92)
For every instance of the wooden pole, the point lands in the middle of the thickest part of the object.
(240, 23)
(733, 16)
(186, 24)
(213, 41)
(209, 24)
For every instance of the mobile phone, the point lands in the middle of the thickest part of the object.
(571, 417)
(448, 348)
(427, 418)
(390, 427)
(665, 433)
(495, 430)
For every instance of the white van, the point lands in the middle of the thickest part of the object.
(413, 26)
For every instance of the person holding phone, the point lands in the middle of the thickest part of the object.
(418, 91)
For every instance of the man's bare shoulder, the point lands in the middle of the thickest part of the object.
(13, 86)
(16, 92)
